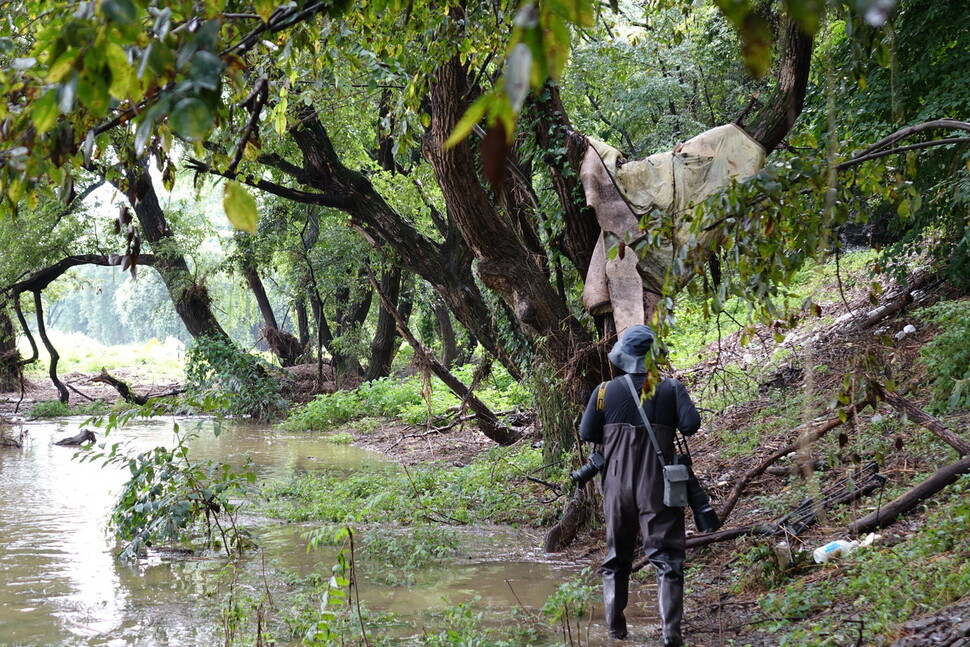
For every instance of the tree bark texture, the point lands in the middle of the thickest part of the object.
(771, 124)
(385, 341)
(10, 360)
(504, 263)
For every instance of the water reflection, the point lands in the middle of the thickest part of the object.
(60, 583)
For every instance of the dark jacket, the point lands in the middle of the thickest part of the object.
(670, 406)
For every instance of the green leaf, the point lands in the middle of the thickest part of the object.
(121, 72)
(806, 13)
(469, 120)
(45, 112)
(240, 207)
(191, 119)
(756, 37)
(120, 11)
(265, 8)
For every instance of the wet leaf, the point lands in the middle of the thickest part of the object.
(240, 207)
(45, 112)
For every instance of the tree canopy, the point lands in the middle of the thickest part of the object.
(436, 145)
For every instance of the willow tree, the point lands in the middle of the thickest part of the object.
(249, 88)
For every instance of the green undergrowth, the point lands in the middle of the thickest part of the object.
(412, 400)
(697, 325)
(492, 489)
(875, 588)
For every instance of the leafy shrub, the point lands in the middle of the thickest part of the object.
(50, 409)
(168, 494)
(947, 356)
(215, 365)
(408, 399)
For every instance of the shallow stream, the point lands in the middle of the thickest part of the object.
(61, 584)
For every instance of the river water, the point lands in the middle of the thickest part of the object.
(61, 584)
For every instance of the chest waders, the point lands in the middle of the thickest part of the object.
(633, 500)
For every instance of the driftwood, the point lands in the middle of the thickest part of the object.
(123, 389)
(805, 437)
(82, 437)
(927, 421)
(888, 513)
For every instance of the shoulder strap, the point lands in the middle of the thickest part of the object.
(643, 416)
(601, 396)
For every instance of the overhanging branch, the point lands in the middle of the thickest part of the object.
(304, 197)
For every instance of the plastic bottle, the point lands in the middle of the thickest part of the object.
(834, 549)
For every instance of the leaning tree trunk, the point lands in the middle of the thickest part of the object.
(771, 124)
(284, 345)
(504, 263)
(190, 297)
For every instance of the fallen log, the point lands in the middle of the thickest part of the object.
(805, 437)
(123, 389)
(80, 438)
(887, 515)
(926, 421)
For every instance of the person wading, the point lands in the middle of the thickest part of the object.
(633, 485)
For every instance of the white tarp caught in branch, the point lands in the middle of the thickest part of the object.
(674, 183)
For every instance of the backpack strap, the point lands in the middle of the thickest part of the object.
(601, 396)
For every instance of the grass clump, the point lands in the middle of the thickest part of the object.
(57, 409)
(492, 489)
(409, 399)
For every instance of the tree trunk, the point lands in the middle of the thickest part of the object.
(385, 341)
(191, 298)
(284, 345)
(302, 323)
(504, 263)
(10, 360)
(55, 357)
(449, 347)
(772, 123)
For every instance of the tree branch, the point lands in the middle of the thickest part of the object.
(305, 197)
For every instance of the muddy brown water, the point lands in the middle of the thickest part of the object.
(61, 583)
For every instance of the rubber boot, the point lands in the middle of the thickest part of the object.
(670, 591)
(615, 592)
